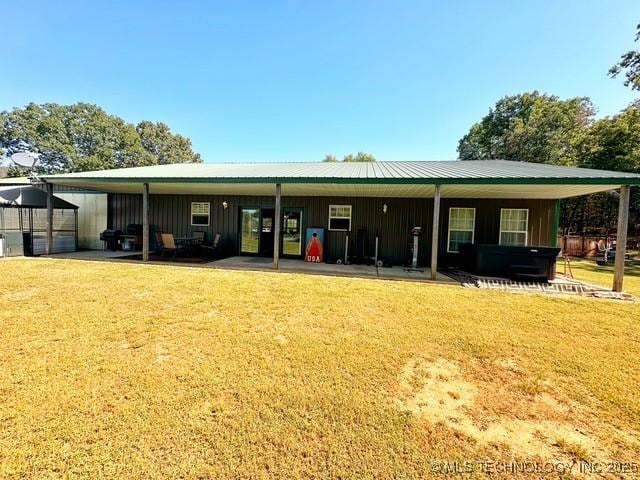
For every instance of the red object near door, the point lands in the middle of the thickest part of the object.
(314, 249)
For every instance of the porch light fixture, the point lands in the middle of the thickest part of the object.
(385, 207)
(225, 204)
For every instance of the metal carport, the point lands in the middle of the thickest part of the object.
(24, 222)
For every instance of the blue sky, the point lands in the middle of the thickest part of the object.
(293, 81)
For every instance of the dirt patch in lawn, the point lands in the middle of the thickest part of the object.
(17, 296)
(162, 354)
(495, 405)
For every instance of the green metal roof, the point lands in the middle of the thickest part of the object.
(478, 172)
(472, 179)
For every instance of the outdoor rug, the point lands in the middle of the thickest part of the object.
(570, 287)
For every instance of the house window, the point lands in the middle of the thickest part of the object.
(340, 217)
(513, 226)
(200, 212)
(462, 222)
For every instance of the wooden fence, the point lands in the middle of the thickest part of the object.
(591, 246)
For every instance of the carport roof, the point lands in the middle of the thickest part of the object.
(29, 197)
(479, 178)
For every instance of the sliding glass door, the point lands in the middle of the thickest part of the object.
(249, 231)
(292, 232)
(257, 235)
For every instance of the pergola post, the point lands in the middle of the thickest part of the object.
(145, 222)
(276, 227)
(49, 218)
(434, 233)
(621, 238)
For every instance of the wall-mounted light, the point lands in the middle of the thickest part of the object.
(385, 207)
(225, 204)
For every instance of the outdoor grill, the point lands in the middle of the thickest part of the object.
(111, 237)
(134, 229)
(132, 238)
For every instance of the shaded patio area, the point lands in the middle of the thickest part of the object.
(263, 264)
(299, 266)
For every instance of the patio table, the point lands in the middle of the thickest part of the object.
(186, 240)
(189, 243)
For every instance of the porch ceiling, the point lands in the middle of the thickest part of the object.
(410, 190)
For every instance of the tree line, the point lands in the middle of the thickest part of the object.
(358, 157)
(82, 137)
(541, 128)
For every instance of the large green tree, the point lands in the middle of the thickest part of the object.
(611, 143)
(81, 137)
(358, 157)
(629, 63)
(545, 129)
(165, 146)
(530, 127)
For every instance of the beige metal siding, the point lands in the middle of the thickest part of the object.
(92, 216)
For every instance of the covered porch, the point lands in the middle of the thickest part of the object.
(288, 265)
(430, 190)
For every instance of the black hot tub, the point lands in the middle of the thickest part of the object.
(533, 264)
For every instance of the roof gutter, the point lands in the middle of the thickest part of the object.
(351, 181)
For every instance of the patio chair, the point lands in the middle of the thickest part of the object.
(214, 248)
(199, 237)
(169, 244)
(159, 242)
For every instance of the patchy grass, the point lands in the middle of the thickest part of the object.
(128, 371)
(589, 271)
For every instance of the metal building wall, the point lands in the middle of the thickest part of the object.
(171, 213)
(92, 216)
(487, 228)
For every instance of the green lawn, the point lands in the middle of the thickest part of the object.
(129, 371)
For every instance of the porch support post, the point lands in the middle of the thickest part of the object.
(145, 222)
(621, 239)
(276, 227)
(556, 223)
(49, 218)
(434, 233)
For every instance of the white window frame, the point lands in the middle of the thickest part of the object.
(208, 214)
(340, 218)
(525, 231)
(473, 228)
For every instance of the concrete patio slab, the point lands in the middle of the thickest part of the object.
(266, 264)
(299, 266)
(95, 254)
